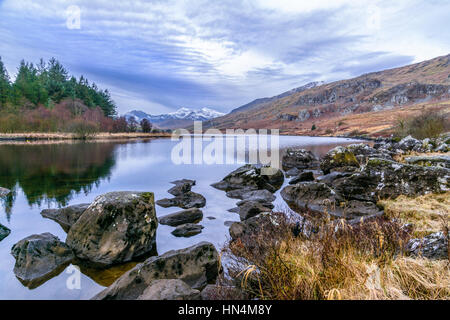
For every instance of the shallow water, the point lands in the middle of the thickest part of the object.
(51, 175)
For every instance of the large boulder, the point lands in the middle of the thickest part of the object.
(299, 159)
(185, 200)
(67, 216)
(117, 227)
(253, 225)
(38, 257)
(4, 192)
(181, 217)
(339, 159)
(197, 266)
(252, 177)
(319, 198)
(433, 246)
(4, 232)
(169, 289)
(381, 179)
(350, 158)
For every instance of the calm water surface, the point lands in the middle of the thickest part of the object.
(44, 175)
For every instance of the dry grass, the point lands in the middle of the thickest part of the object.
(339, 262)
(428, 213)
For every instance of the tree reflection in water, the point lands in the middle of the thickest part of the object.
(49, 172)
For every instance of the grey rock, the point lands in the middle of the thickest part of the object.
(339, 158)
(252, 225)
(117, 227)
(328, 179)
(197, 265)
(222, 292)
(258, 196)
(67, 216)
(299, 158)
(318, 198)
(381, 179)
(250, 209)
(181, 187)
(437, 161)
(433, 246)
(186, 200)
(4, 232)
(169, 289)
(38, 257)
(252, 177)
(181, 217)
(187, 230)
(293, 172)
(304, 176)
(444, 147)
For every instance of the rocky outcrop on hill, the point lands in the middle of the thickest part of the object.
(196, 266)
(117, 227)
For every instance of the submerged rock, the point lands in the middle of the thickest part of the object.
(186, 200)
(4, 232)
(433, 246)
(4, 192)
(182, 217)
(67, 216)
(169, 289)
(299, 159)
(252, 177)
(187, 230)
(38, 257)
(115, 228)
(197, 266)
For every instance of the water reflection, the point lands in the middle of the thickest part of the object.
(53, 172)
(49, 175)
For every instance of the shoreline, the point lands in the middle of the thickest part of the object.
(59, 136)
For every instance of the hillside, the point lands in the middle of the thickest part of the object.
(370, 103)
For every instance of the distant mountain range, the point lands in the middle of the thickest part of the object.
(181, 118)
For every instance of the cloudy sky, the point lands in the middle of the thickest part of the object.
(158, 56)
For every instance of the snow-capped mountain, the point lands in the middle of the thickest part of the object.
(179, 118)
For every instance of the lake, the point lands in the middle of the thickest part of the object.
(51, 175)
